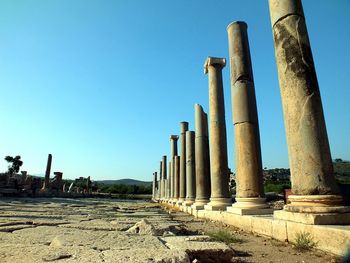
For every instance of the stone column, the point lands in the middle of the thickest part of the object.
(173, 146)
(313, 182)
(169, 182)
(182, 193)
(190, 168)
(164, 176)
(249, 178)
(47, 173)
(160, 181)
(176, 177)
(202, 159)
(154, 185)
(220, 196)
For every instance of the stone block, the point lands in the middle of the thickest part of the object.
(249, 211)
(314, 219)
(262, 225)
(279, 230)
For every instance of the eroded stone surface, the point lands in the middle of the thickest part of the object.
(93, 230)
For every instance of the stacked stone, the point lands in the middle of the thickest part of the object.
(249, 190)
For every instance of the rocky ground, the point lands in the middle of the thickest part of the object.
(102, 230)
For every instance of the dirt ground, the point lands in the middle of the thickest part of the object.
(254, 248)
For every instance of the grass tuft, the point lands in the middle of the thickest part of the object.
(224, 236)
(304, 241)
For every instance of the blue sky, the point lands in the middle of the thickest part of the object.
(102, 84)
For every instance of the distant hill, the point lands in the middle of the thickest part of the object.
(125, 182)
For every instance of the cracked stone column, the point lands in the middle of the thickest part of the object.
(169, 181)
(190, 169)
(176, 178)
(164, 176)
(250, 189)
(47, 173)
(173, 147)
(313, 183)
(154, 186)
(182, 193)
(202, 159)
(220, 197)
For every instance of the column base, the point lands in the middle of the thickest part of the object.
(188, 203)
(315, 210)
(250, 206)
(218, 204)
(199, 204)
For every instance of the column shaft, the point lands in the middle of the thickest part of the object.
(190, 168)
(176, 177)
(249, 177)
(309, 154)
(202, 158)
(182, 193)
(220, 196)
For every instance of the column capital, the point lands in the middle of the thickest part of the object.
(174, 137)
(211, 61)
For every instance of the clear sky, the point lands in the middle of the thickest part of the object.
(101, 85)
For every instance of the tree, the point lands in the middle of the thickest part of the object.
(15, 164)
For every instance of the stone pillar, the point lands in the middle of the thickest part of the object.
(160, 181)
(176, 177)
(219, 177)
(169, 181)
(182, 193)
(47, 173)
(173, 146)
(154, 186)
(190, 168)
(313, 183)
(249, 178)
(202, 159)
(164, 176)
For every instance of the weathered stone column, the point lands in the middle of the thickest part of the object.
(173, 146)
(47, 173)
(313, 182)
(154, 185)
(190, 168)
(176, 177)
(249, 178)
(160, 181)
(202, 159)
(220, 196)
(164, 176)
(169, 182)
(182, 193)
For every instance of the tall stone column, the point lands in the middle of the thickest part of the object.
(164, 176)
(161, 181)
(169, 182)
(313, 182)
(202, 159)
(220, 196)
(250, 189)
(190, 168)
(47, 173)
(154, 186)
(176, 177)
(173, 146)
(182, 193)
